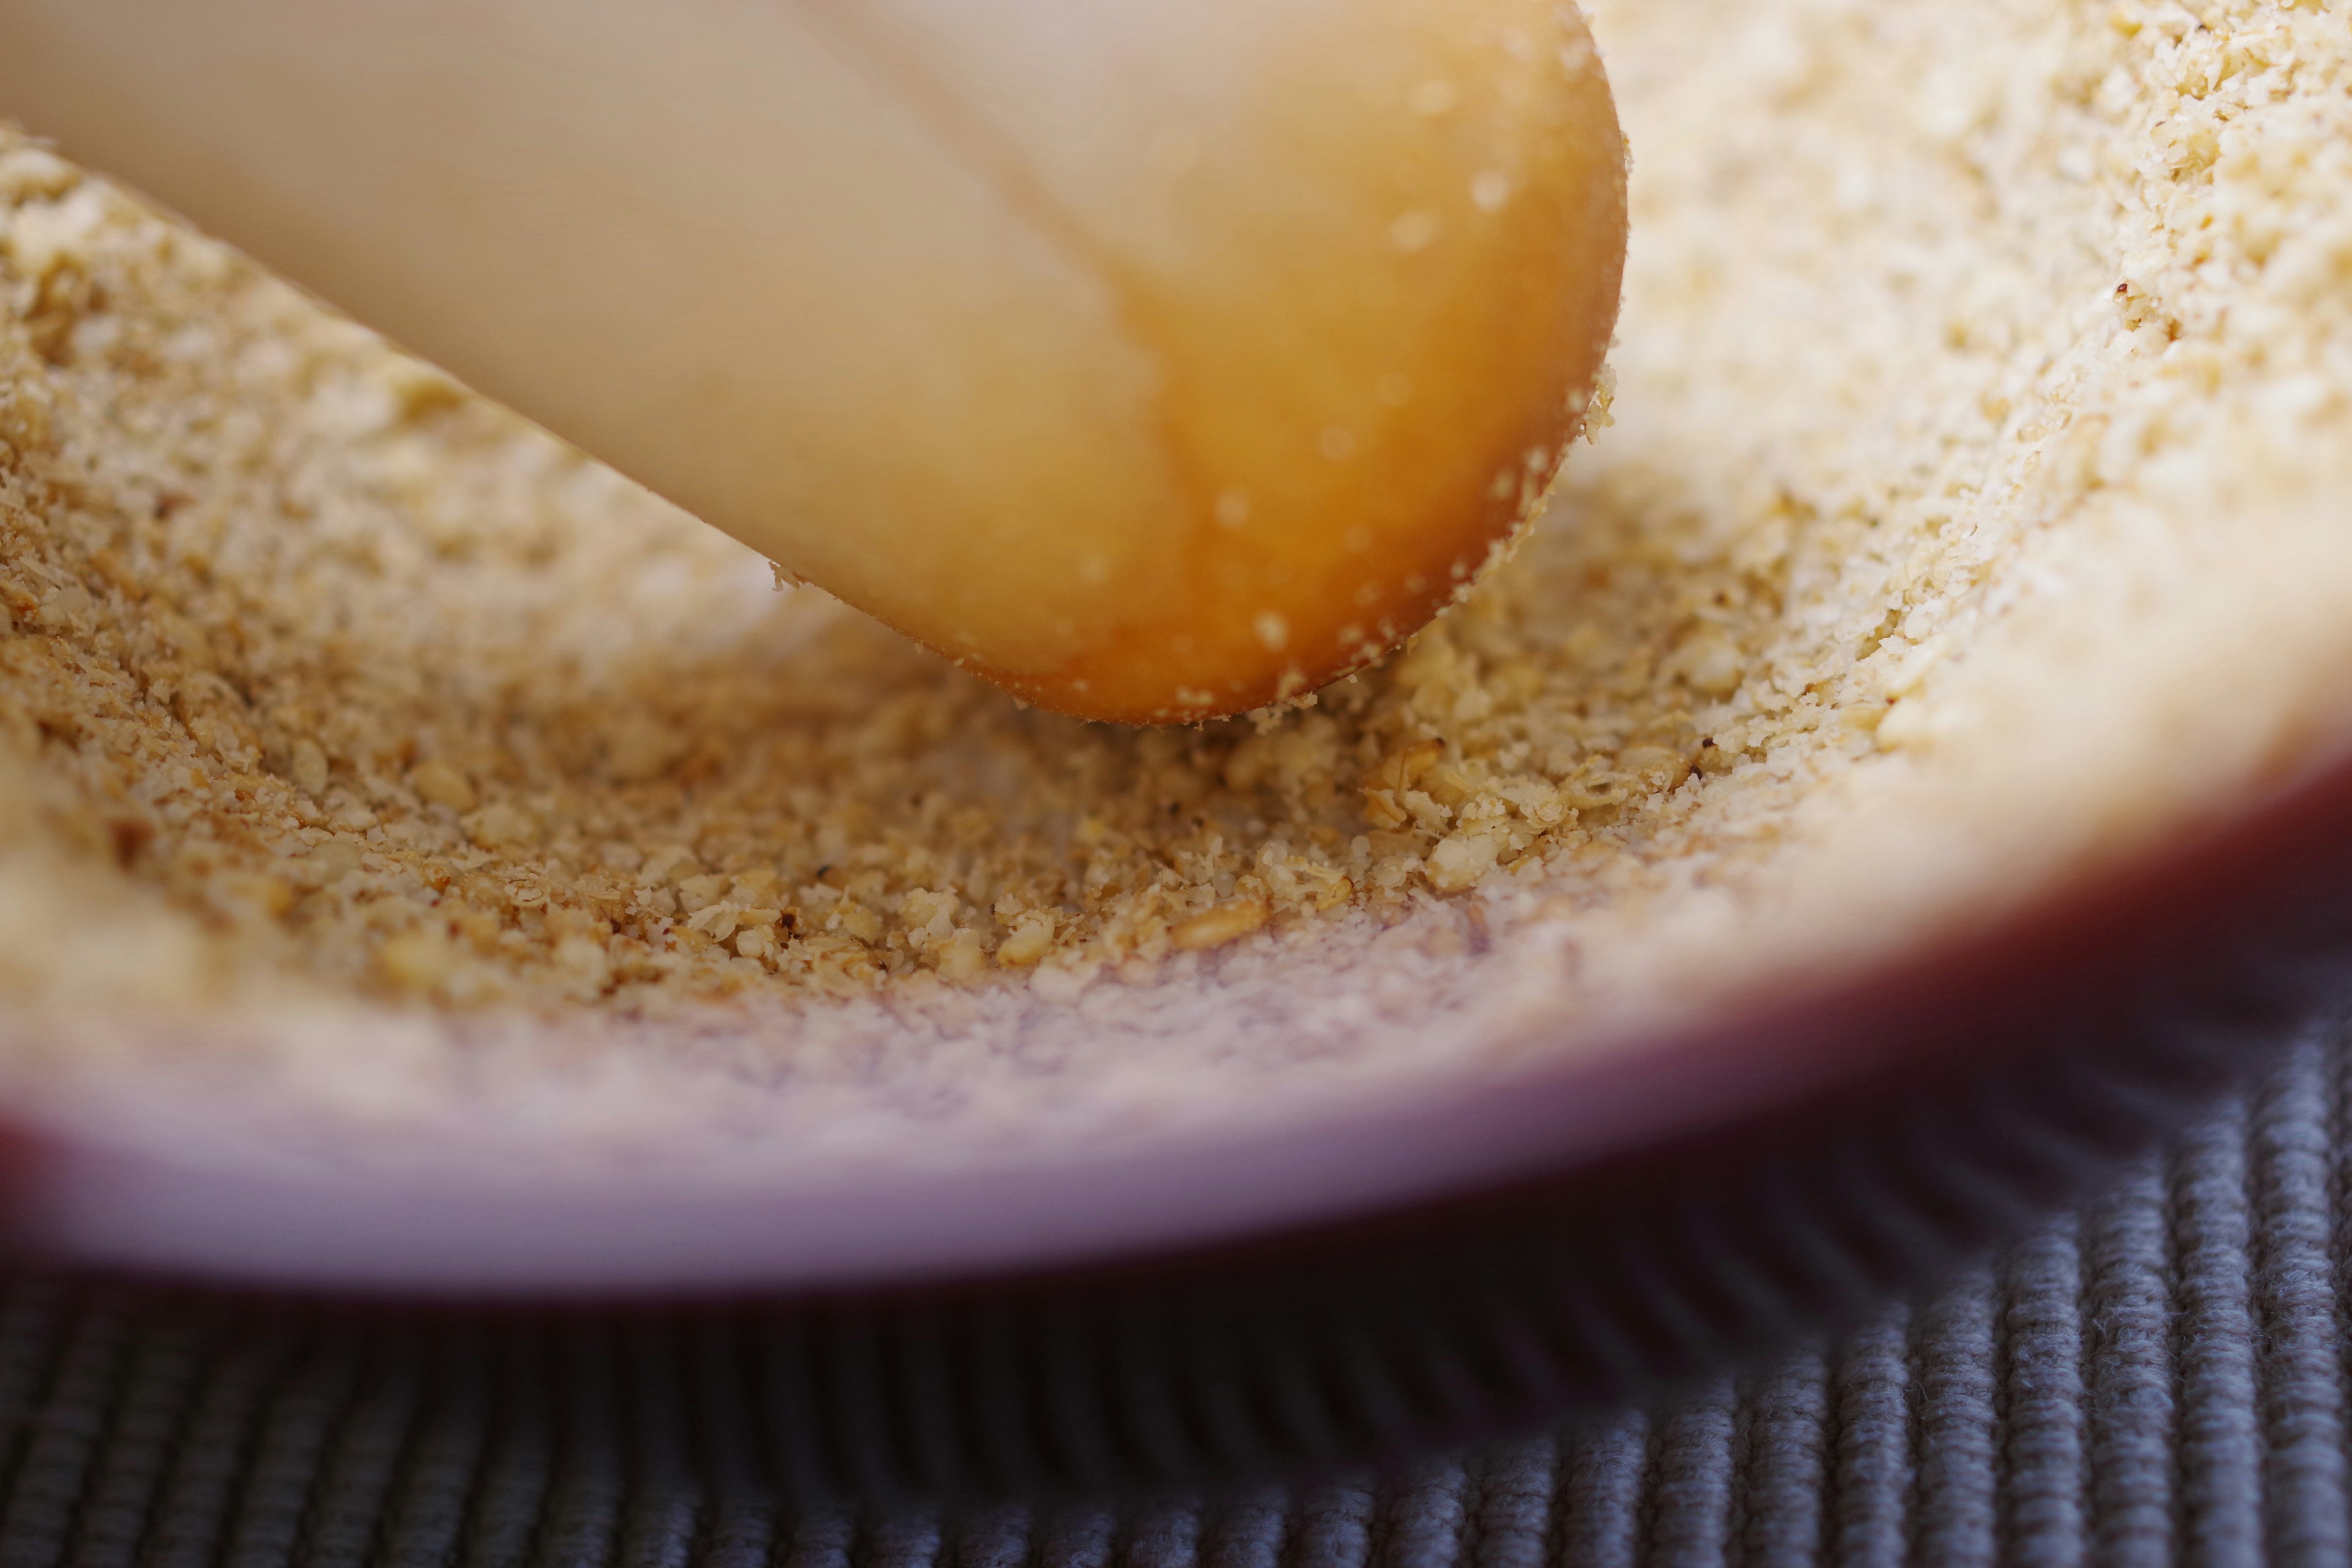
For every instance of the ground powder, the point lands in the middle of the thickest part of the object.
(1972, 512)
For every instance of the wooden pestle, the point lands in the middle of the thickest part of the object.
(1154, 359)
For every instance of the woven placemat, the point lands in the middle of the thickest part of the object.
(2159, 1377)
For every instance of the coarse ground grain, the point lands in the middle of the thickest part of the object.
(1972, 511)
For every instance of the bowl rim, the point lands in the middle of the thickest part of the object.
(122, 1204)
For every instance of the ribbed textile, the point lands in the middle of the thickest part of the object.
(2158, 1377)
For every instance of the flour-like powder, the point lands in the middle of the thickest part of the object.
(1971, 514)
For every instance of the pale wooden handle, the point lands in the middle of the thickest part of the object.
(1153, 357)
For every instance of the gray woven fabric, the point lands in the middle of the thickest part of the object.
(2158, 1377)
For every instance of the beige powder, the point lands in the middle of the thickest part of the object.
(1972, 512)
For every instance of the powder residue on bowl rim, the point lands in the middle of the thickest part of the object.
(1982, 394)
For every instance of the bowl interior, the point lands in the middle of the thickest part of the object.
(400, 811)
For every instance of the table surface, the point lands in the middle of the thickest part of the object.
(2159, 1377)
